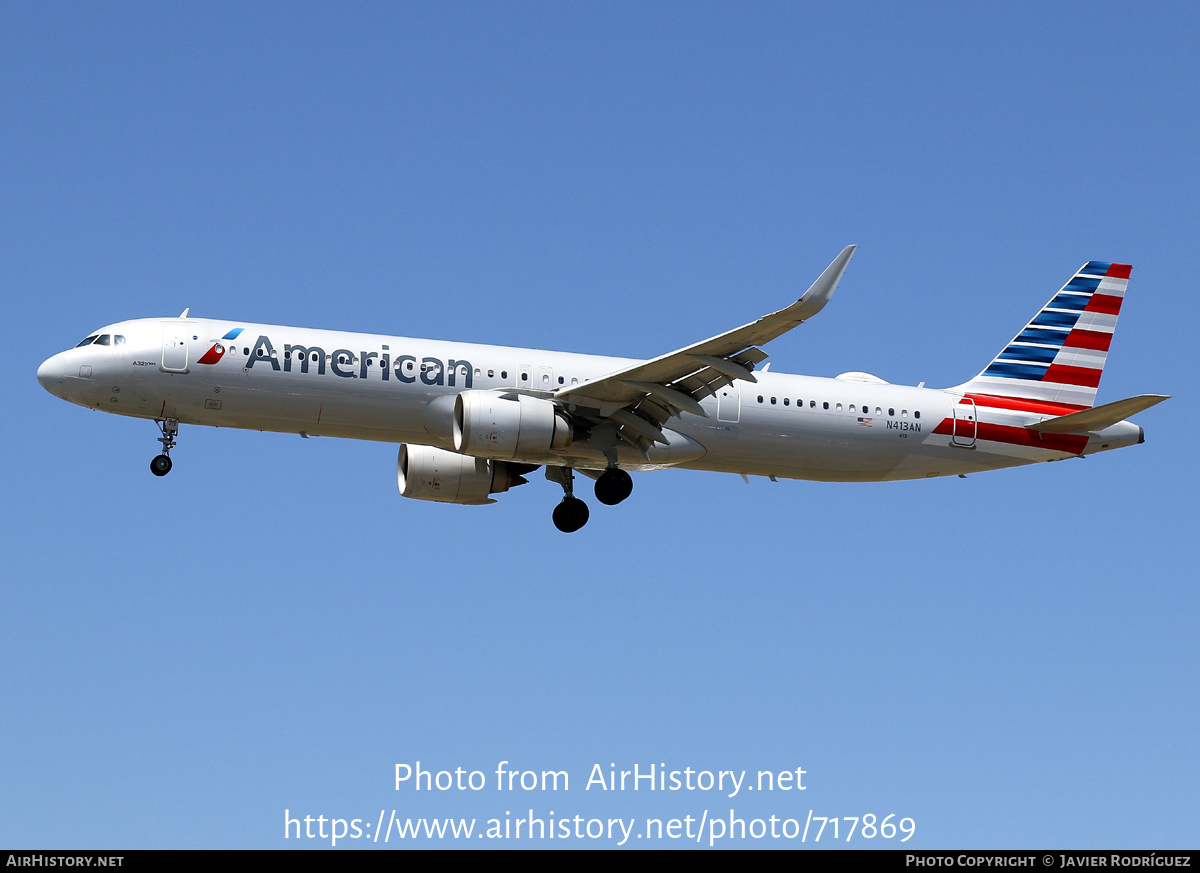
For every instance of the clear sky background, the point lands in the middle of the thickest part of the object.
(1010, 659)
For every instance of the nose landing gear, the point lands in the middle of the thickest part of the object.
(160, 465)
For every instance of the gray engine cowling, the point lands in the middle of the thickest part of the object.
(491, 425)
(428, 473)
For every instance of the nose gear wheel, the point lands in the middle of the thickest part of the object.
(160, 465)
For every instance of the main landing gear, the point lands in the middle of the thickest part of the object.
(612, 486)
(161, 464)
(571, 513)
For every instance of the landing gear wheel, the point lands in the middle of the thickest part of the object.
(571, 514)
(169, 427)
(613, 486)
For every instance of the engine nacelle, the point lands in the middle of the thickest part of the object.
(490, 425)
(428, 473)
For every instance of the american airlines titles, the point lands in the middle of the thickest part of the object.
(341, 362)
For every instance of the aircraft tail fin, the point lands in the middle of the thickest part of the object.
(1060, 355)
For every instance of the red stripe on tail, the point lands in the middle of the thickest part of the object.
(1097, 340)
(1067, 375)
(1104, 303)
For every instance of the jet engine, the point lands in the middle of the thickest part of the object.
(428, 473)
(492, 425)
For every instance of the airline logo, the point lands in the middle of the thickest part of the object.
(1052, 367)
(347, 364)
(1061, 353)
(217, 350)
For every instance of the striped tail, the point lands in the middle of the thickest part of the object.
(1059, 356)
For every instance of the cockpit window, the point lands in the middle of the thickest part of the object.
(88, 341)
(104, 340)
(118, 340)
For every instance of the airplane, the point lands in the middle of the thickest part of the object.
(473, 420)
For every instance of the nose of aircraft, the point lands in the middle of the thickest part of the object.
(52, 373)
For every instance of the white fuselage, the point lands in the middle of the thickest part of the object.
(402, 390)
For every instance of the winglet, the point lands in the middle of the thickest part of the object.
(818, 294)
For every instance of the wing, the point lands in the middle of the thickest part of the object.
(639, 399)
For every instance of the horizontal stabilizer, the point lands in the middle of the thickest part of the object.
(1098, 417)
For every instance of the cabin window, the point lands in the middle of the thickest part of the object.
(839, 407)
(812, 404)
(878, 411)
(917, 414)
(772, 401)
(825, 405)
(561, 380)
(491, 374)
(504, 374)
(760, 398)
(891, 411)
(851, 407)
(904, 413)
(476, 372)
(786, 401)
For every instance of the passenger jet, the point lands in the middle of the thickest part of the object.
(473, 420)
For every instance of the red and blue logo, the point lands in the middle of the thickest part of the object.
(217, 350)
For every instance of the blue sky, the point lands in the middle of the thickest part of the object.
(1009, 660)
